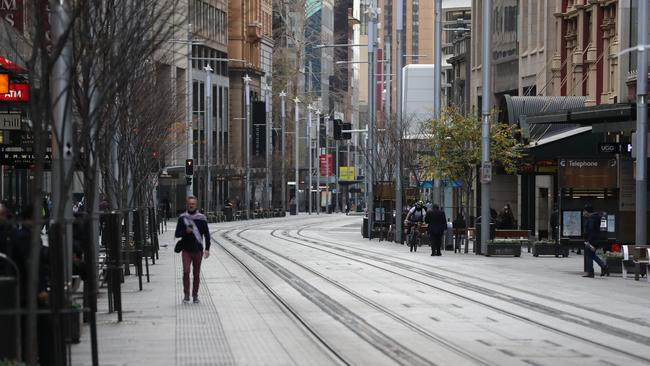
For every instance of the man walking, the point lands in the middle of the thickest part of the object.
(593, 235)
(192, 227)
(436, 226)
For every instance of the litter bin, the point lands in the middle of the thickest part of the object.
(227, 211)
(364, 228)
(477, 242)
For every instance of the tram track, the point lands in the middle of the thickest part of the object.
(318, 241)
(555, 313)
(385, 344)
(331, 351)
(427, 334)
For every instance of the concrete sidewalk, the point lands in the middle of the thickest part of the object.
(157, 329)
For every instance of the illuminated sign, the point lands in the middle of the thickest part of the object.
(4, 83)
(16, 93)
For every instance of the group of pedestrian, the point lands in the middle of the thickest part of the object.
(436, 221)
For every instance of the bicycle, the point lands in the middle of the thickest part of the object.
(415, 236)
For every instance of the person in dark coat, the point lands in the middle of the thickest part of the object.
(459, 224)
(506, 219)
(592, 237)
(437, 224)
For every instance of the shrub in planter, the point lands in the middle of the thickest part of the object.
(549, 248)
(504, 247)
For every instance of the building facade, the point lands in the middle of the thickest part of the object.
(505, 52)
(585, 61)
(537, 47)
(250, 43)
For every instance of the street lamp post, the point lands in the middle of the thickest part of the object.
(641, 126)
(309, 154)
(190, 107)
(398, 122)
(283, 117)
(327, 164)
(318, 198)
(267, 183)
(247, 119)
(486, 165)
(372, 86)
(208, 131)
(296, 150)
(437, 67)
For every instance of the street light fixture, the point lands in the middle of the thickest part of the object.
(267, 186)
(283, 116)
(309, 154)
(208, 129)
(247, 100)
(297, 153)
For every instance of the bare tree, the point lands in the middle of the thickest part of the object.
(104, 43)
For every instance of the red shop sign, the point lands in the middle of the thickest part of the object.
(17, 93)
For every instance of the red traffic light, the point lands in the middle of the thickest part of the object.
(189, 167)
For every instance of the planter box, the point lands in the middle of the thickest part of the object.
(550, 249)
(614, 264)
(508, 249)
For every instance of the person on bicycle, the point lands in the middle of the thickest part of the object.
(415, 216)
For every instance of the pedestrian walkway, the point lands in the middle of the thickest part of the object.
(157, 329)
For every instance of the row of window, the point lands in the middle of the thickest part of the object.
(204, 56)
(210, 21)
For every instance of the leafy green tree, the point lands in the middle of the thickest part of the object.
(454, 145)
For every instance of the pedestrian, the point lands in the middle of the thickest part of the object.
(506, 219)
(459, 230)
(592, 237)
(5, 241)
(192, 227)
(555, 223)
(437, 224)
(347, 208)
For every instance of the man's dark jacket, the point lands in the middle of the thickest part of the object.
(192, 243)
(436, 221)
(592, 229)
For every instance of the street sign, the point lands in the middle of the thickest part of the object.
(10, 121)
(346, 173)
(325, 165)
(486, 172)
(20, 156)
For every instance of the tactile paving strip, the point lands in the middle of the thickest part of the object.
(200, 338)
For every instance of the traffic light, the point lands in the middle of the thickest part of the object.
(189, 167)
(347, 127)
(338, 127)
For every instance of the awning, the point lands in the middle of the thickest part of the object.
(520, 108)
(578, 141)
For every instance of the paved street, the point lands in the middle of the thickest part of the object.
(311, 291)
